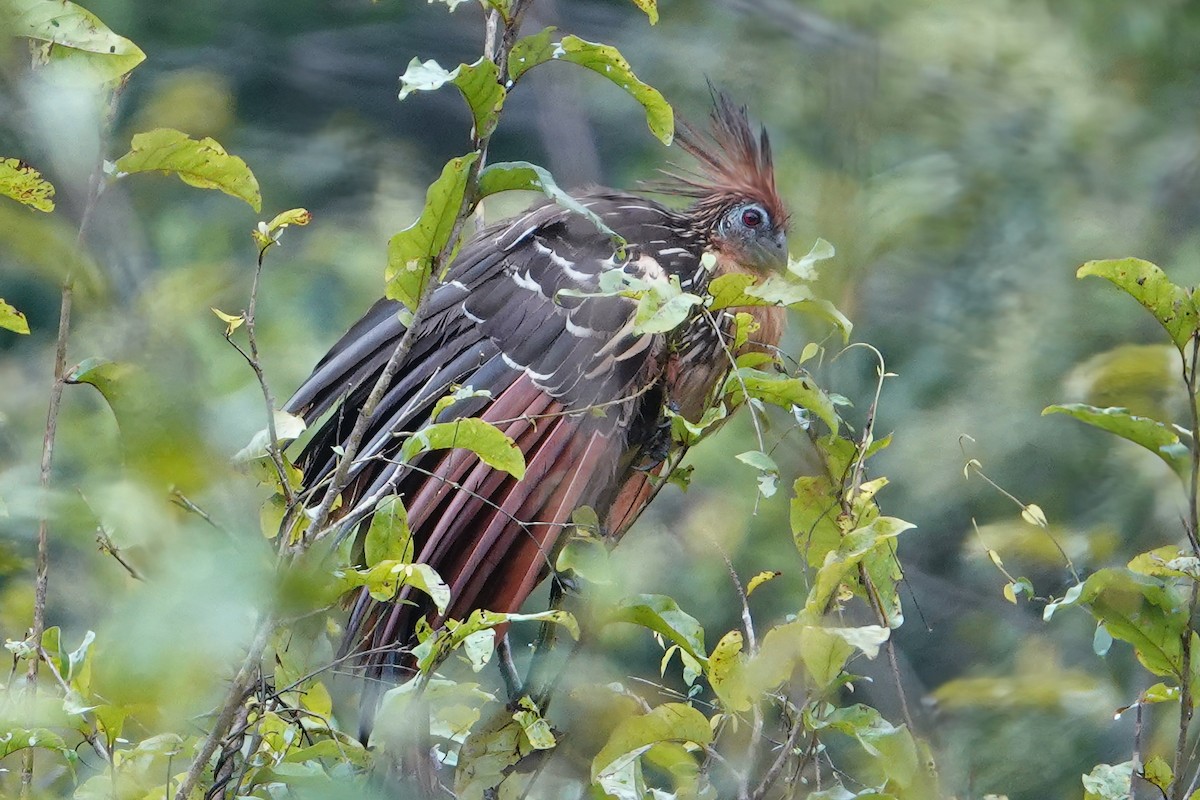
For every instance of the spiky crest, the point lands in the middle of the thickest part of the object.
(734, 165)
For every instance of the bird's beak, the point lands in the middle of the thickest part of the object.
(771, 255)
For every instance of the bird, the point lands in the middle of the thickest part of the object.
(558, 366)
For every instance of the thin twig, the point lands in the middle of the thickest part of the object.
(508, 669)
(1185, 694)
(42, 574)
(785, 752)
(241, 685)
(1193, 518)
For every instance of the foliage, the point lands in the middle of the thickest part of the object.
(959, 155)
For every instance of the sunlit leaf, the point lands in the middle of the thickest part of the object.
(761, 578)
(479, 84)
(1171, 305)
(783, 391)
(76, 37)
(232, 321)
(411, 251)
(650, 7)
(670, 722)
(11, 319)
(533, 725)
(198, 162)
(25, 184)
(1151, 434)
(483, 439)
(600, 58)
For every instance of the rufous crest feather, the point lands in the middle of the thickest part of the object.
(733, 163)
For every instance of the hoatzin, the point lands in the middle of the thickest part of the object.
(563, 374)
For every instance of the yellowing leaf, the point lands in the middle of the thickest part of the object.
(202, 163)
(650, 7)
(75, 37)
(25, 184)
(759, 579)
(232, 321)
(1171, 305)
(11, 319)
(1034, 515)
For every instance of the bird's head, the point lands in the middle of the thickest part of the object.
(735, 205)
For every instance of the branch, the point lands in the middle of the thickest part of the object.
(42, 574)
(243, 682)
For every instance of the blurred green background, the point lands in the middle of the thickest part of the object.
(963, 157)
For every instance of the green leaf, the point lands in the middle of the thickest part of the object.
(1151, 434)
(780, 390)
(25, 184)
(479, 84)
(1161, 693)
(650, 7)
(1142, 611)
(491, 752)
(892, 748)
(670, 722)
(1108, 781)
(458, 393)
(1158, 772)
(11, 319)
(522, 176)
(1171, 305)
(533, 725)
(388, 538)
(13, 739)
(603, 59)
(411, 251)
(385, 579)
(814, 518)
(663, 307)
(737, 290)
(198, 162)
(483, 439)
(759, 460)
(430, 651)
(663, 615)
(76, 37)
(1166, 562)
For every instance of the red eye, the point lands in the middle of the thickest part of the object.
(752, 218)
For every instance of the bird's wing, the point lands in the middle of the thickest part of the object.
(520, 318)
